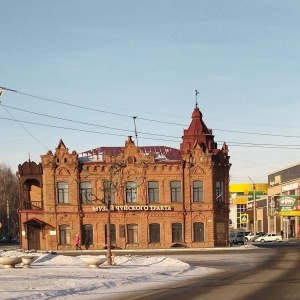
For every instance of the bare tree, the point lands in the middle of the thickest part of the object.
(9, 202)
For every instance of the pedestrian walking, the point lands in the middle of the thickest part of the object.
(77, 240)
(281, 232)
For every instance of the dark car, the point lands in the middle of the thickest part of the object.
(236, 238)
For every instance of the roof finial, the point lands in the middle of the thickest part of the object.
(136, 135)
(196, 97)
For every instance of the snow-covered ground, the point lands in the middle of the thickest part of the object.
(62, 277)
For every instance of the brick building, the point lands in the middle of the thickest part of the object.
(152, 197)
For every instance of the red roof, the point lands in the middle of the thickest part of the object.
(162, 153)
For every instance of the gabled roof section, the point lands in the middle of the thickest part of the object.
(61, 145)
(199, 133)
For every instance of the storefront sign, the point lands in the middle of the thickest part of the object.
(277, 180)
(132, 208)
(288, 205)
(290, 187)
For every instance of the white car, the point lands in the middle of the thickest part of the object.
(249, 236)
(269, 237)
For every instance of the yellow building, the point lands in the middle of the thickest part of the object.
(242, 202)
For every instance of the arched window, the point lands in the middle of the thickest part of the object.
(131, 160)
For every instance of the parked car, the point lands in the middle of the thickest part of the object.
(236, 238)
(269, 237)
(249, 236)
(258, 234)
(245, 233)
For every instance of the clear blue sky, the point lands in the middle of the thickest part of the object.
(146, 58)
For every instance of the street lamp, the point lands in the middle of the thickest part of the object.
(254, 208)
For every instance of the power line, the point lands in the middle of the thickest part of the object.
(88, 108)
(231, 144)
(145, 119)
(154, 134)
(83, 123)
(81, 130)
(24, 128)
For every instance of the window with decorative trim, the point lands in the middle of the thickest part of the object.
(132, 234)
(177, 233)
(197, 191)
(87, 234)
(175, 191)
(154, 232)
(86, 192)
(64, 234)
(109, 191)
(131, 192)
(63, 192)
(113, 236)
(153, 191)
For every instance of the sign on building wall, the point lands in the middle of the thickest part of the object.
(288, 205)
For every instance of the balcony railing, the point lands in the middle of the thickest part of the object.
(33, 205)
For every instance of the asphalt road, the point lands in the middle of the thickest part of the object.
(271, 271)
(276, 275)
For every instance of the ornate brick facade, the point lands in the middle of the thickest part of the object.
(159, 197)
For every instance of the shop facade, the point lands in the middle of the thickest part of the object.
(284, 201)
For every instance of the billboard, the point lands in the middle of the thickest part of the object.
(287, 205)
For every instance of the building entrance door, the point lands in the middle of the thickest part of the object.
(33, 236)
(221, 234)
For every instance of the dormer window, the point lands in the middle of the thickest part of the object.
(131, 160)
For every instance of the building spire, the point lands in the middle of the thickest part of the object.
(136, 135)
(197, 97)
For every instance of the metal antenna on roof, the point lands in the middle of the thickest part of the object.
(136, 136)
(196, 97)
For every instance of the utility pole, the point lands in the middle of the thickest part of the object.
(254, 208)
